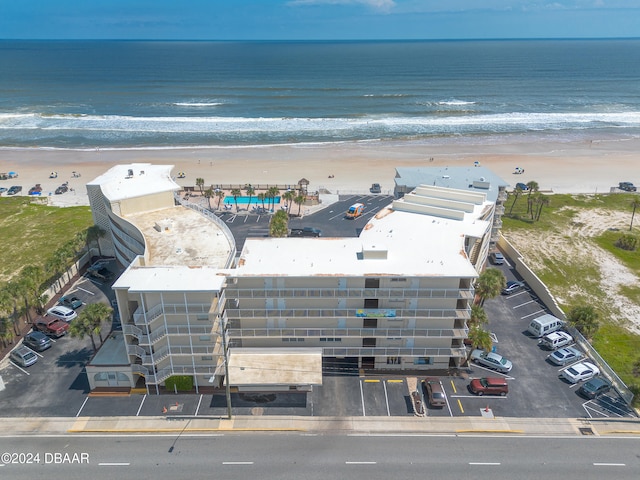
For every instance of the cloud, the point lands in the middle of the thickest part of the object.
(381, 5)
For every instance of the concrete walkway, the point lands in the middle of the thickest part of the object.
(322, 425)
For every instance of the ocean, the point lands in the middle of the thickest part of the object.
(141, 94)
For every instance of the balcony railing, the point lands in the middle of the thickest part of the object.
(140, 317)
(234, 313)
(348, 332)
(393, 352)
(395, 293)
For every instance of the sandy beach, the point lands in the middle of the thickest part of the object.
(579, 167)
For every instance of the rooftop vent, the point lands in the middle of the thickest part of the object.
(374, 252)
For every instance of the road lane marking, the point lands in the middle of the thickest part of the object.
(362, 397)
(360, 463)
(484, 463)
(609, 464)
(114, 464)
(237, 463)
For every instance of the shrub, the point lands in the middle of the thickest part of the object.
(627, 242)
(181, 383)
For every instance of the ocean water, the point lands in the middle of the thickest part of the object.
(110, 94)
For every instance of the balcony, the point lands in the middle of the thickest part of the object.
(141, 317)
(453, 333)
(381, 293)
(393, 352)
(239, 313)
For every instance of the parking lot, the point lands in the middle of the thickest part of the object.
(57, 386)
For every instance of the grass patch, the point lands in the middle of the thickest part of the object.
(620, 349)
(607, 240)
(31, 232)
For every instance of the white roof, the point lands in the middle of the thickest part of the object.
(170, 279)
(275, 366)
(393, 243)
(117, 184)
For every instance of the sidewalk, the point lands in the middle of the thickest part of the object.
(323, 425)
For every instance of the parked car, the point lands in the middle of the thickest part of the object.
(512, 287)
(496, 258)
(580, 372)
(435, 393)
(489, 386)
(23, 356)
(594, 388)
(305, 232)
(52, 327)
(627, 186)
(491, 360)
(15, 189)
(556, 340)
(375, 188)
(62, 313)
(3, 189)
(70, 301)
(522, 187)
(37, 341)
(565, 355)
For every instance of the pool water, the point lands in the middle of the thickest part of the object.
(254, 201)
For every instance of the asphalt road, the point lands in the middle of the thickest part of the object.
(306, 457)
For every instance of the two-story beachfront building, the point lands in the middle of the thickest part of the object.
(396, 297)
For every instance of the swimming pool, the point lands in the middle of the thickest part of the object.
(254, 201)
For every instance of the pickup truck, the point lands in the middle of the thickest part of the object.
(627, 186)
(305, 232)
(51, 326)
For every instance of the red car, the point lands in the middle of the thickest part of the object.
(489, 386)
(51, 327)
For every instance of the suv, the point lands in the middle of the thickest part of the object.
(627, 186)
(434, 392)
(14, 190)
(555, 340)
(37, 341)
(305, 232)
(63, 313)
(489, 385)
(51, 326)
(23, 356)
(375, 188)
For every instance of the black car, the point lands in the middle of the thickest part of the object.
(62, 189)
(14, 189)
(594, 388)
(37, 341)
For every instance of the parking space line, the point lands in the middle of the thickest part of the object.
(32, 350)
(84, 290)
(198, 407)
(141, 403)
(514, 295)
(460, 406)
(386, 398)
(19, 368)
(362, 397)
(523, 304)
(82, 406)
(532, 314)
(497, 397)
(372, 381)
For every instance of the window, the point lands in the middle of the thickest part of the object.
(423, 361)
(206, 358)
(371, 283)
(398, 279)
(293, 339)
(204, 338)
(393, 361)
(202, 317)
(330, 339)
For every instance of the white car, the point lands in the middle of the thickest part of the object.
(579, 372)
(556, 340)
(63, 313)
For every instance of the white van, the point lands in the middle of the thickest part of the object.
(544, 324)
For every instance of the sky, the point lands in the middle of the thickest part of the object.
(317, 19)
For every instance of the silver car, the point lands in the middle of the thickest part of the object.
(491, 360)
(565, 355)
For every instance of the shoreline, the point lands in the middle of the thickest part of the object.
(560, 167)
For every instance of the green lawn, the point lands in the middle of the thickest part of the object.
(31, 232)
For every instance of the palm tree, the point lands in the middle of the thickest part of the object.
(478, 316)
(219, 196)
(288, 196)
(542, 201)
(516, 191)
(489, 284)
(200, 184)
(635, 203)
(236, 193)
(14, 291)
(262, 196)
(208, 193)
(273, 193)
(479, 338)
(31, 280)
(279, 225)
(250, 192)
(89, 322)
(533, 187)
(94, 234)
(299, 200)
